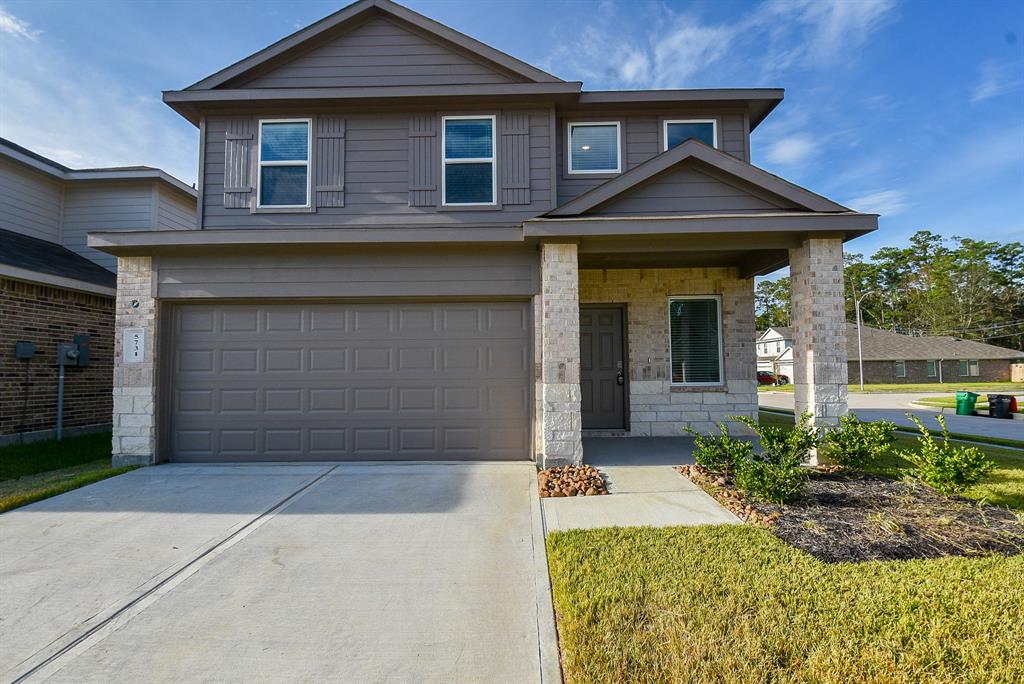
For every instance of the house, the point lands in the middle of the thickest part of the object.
(415, 246)
(53, 286)
(894, 358)
(775, 350)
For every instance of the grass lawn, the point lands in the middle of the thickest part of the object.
(979, 387)
(737, 604)
(32, 472)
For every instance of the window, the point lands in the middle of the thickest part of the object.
(284, 163)
(594, 147)
(933, 369)
(901, 369)
(969, 368)
(695, 330)
(469, 169)
(681, 130)
(778, 346)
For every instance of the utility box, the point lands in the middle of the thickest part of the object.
(67, 354)
(82, 340)
(24, 351)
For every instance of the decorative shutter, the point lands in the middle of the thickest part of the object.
(514, 157)
(239, 162)
(424, 160)
(329, 158)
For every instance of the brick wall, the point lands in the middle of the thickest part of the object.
(47, 315)
(884, 372)
(656, 407)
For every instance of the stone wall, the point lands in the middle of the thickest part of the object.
(46, 315)
(655, 406)
(135, 383)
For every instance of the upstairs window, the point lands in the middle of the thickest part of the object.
(284, 163)
(594, 147)
(469, 168)
(695, 332)
(680, 130)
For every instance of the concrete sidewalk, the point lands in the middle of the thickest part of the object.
(382, 572)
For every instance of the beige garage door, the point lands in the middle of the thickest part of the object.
(284, 382)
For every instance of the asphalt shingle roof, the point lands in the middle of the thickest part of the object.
(42, 256)
(885, 345)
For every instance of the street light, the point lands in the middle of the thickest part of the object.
(860, 346)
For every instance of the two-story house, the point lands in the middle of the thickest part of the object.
(54, 287)
(414, 246)
(775, 350)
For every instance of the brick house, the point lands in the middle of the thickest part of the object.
(53, 286)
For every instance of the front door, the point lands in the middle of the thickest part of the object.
(602, 368)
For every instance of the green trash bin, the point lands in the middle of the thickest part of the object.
(965, 402)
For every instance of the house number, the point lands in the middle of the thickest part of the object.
(134, 345)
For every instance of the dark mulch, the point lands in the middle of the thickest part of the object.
(849, 516)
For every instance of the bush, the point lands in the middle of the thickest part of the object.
(721, 454)
(856, 444)
(784, 443)
(947, 467)
(777, 474)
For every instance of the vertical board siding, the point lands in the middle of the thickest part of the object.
(239, 162)
(330, 161)
(175, 211)
(30, 202)
(514, 158)
(424, 160)
(93, 207)
(380, 53)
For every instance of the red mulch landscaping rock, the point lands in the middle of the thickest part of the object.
(850, 516)
(571, 480)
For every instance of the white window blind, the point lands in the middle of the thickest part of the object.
(695, 328)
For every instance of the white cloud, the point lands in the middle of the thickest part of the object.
(885, 202)
(635, 68)
(997, 79)
(794, 149)
(10, 24)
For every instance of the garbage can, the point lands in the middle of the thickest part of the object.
(965, 403)
(999, 405)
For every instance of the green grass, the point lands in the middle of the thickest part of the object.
(737, 604)
(979, 387)
(32, 472)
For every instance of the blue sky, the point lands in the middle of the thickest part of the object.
(914, 110)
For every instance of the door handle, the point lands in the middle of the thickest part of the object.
(619, 379)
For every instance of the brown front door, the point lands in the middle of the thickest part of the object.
(602, 366)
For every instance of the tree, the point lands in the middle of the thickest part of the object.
(771, 303)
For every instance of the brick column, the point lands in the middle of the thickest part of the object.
(135, 381)
(558, 388)
(819, 329)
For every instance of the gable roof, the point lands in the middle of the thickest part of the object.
(695, 150)
(885, 345)
(353, 15)
(784, 331)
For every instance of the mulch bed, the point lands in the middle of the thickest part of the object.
(850, 516)
(571, 480)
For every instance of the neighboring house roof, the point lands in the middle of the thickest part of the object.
(783, 331)
(16, 152)
(885, 345)
(24, 257)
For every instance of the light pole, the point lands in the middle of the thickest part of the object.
(860, 346)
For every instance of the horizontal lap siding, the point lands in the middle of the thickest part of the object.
(29, 202)
(394, 271)
(175, 212)
(377, 158)
(379, 53)
(88, 208)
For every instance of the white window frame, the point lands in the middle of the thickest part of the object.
(721, 347)
(568, 147)
(897, 366)
(666, 122)
(493, 160)
(932, 368)
(260, 164)
(969, 374)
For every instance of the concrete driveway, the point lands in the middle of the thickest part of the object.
(313, 572)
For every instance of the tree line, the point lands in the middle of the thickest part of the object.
(962, 287)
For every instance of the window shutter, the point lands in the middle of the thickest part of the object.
(514, 157)
(239, 162)
(424, 160)
(329, 158)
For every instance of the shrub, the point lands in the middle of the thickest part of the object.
(721, 454)
(857, 444)
(777, 474)
(947, 467)
(785, 443)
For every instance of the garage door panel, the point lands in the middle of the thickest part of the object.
(342, 381)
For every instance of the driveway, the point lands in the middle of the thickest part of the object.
(312, 572)
(895, 406)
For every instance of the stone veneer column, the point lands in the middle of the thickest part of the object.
(134, 416)
(559, 387)
(819, 329)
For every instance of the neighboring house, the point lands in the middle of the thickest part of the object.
(775, 351)
(894, 358)
(414, 246)
(53, 286)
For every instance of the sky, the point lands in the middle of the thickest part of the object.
(913, 110)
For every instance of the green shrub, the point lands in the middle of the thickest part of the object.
(947, 467)
(784, 443)
(857, 444)
(769, 479)
(721, 454)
